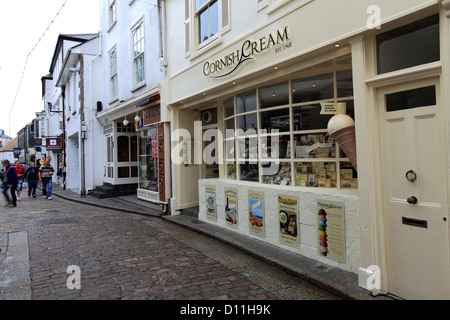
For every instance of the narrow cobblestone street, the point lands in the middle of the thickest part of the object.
(132, 257)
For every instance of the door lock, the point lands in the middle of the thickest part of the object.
(412, 200)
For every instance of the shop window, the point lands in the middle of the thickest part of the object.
(274, 95)
(314, 88)
(123, 172)
(148, 160)
(292, 146)
(414, 44)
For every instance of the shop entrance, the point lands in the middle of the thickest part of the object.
(414, 190)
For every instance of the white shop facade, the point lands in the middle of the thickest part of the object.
(281, 178)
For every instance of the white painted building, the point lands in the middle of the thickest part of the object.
(278, 65)
(133, 69)
(63, 100)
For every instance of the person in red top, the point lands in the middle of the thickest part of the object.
(20, 171)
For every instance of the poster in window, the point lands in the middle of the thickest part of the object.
(331, 229)
(231, 213)
(256, 213)
(288, 217)
(154, 146)
(211, 213)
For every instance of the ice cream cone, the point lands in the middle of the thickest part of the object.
(342, 129)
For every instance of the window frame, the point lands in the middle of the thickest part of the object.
(137, 83)
(113, 74)
(192, 46)
(112, 13)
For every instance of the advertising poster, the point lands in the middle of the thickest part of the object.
(231, 214)
(331, 229)
(288, 216)
(256, 213)
(211, 213)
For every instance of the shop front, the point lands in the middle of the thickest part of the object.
(374, 203)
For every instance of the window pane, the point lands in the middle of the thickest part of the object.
(229, 125)
(309, 118)
(314, 146)
(199, 3)
(123, 149)
(246, 102)
(247, 122)
(247, 148)
(249, 172)
(276, 147)
(414, 44)
(274, 95)
(134, 149)
(281, 174)
(123, 172)
(276, 120)
(422, 97)
(316, 174)
(345, 83)
(214, 18)
(313, 88)
(228, 106)
(231, 171)
(203, 26)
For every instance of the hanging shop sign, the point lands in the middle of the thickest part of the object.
(211, 213)
(331, 229)
(231, 62)
(288, 216)
(54, 144)
(231, 213)
(256, 213)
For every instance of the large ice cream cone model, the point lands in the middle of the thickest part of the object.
(342, 128)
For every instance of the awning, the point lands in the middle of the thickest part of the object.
(152, 99)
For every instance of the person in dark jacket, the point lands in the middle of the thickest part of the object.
(32, 177)
(11, 183)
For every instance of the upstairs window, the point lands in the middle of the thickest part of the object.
(113, 76)
(112, 12)
(205, 22)
(138, 53)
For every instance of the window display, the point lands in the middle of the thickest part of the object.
(292, 133)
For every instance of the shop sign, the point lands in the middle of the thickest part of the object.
(231, 62)
(331, 229)
(54, 144)
(256, 213)
(231, 213)
(288, 217)
(152, 115)
(333, 108)
(211, 213)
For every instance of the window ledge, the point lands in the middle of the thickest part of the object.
(206, 47)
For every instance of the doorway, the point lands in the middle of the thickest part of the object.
(413, 164)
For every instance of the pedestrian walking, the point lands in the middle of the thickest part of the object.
(10, 183)
(20, 172)
(46, 172)
(32, 177)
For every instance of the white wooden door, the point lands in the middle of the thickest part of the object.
(414, 184)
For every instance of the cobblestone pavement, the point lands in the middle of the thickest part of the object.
(131, 257)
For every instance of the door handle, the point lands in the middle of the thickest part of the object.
(412, 200)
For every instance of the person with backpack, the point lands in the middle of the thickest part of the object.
(32, 177)
(11, 182)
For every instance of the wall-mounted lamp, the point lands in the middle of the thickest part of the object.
(126, 122)
(49, 104)
(137, 118)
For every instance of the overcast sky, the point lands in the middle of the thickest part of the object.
(22, 24)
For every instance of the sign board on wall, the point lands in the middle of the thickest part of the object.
(54, 144)
(211, 212)
(256, 213)
(152, 115)
(288, 217)
(231, 213)
(331, 229)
